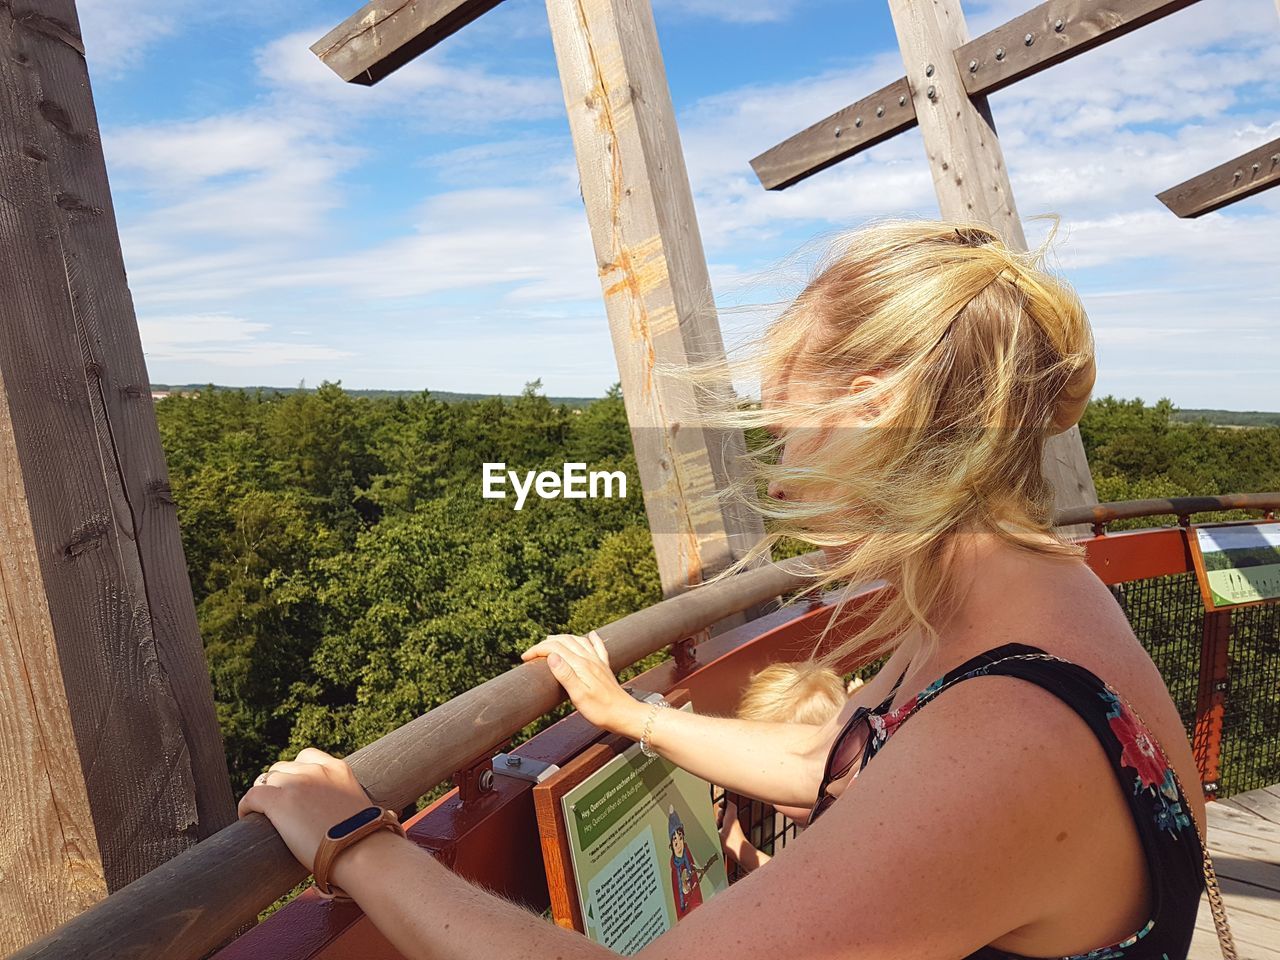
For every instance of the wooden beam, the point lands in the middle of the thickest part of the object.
(971, 180)
(52, 869)
(654, 275)
(886, 112)
(1234, 180)
(384, 35)
(965, 158)
(1049, 34)
(97, 602)
(992, 61)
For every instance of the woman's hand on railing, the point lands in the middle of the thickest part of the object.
(581, 664)
(776, 762)
(305, 797)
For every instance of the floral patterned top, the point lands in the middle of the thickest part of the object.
(1161, 813)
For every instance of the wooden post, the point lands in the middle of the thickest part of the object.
(110, 756)
(970, 177)
(1211, 698)
(652, 269)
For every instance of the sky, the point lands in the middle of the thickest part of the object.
(280, 226)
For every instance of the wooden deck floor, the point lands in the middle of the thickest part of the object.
(1244, 840)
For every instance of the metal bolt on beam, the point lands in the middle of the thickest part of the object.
(931, 93)
(1057, 26)
(1029, 39)
(685, 653)
(999, 53)
(857, 121)
(1257, 167)
(880, 111)
(928, 71)
(902, 101)
(837, 131)
(973, 66)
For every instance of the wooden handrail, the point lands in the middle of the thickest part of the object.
(1103, 513)
(201, 898)
(205, 895)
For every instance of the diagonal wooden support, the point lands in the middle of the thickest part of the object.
(1059, 30)
(384, 35)
(654, 276)
(1051, 33)
(859, 126)
(1227, 183)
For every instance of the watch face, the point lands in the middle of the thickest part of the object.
(354, 822)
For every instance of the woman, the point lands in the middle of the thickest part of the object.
(1024, 810)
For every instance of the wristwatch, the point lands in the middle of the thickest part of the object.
(342, 835)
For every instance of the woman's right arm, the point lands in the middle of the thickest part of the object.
(774, 762)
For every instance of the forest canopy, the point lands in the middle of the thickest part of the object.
(349, 576)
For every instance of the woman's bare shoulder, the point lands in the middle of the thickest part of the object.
(936, 850)
(1084, 624)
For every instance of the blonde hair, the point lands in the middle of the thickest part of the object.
(976, 355)
(805, 692)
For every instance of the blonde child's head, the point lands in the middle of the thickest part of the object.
(804, 692)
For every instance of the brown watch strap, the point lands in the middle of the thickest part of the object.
(329, 849)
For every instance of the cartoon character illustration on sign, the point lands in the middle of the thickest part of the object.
(686, 875)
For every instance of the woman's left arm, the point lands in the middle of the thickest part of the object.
(945, 845)
(424, 909)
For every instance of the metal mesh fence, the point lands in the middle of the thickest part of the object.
(764, 828)
(1251, 719)
(1167, 615)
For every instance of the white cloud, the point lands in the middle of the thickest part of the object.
(431, 90)
(117, 33)
(527, 243)
(224, 341)
(730, 11)
(246, 176)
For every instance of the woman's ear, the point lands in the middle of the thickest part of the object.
(866, 388)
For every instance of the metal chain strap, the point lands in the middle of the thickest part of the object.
(1216, 906)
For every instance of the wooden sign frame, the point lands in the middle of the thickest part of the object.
(553, 832)
(1202, 573)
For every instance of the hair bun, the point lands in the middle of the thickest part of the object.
(1074, 398)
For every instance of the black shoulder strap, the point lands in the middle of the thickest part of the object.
(1161, 812)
